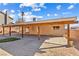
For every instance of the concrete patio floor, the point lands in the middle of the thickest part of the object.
(46, 46)
(4, 53)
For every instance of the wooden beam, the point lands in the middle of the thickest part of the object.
(38, 33)
(42, 23)
(22, 32)
(10, 31)
(69, 41)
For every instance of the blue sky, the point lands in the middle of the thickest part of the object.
(43, 11)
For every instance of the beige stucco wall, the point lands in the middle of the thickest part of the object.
(1, 19)
(44, 30)
(48, 30)
(9, 20)
(74, 34)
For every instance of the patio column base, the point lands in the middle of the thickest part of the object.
(70, 43)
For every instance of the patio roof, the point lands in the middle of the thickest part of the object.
(70, 20)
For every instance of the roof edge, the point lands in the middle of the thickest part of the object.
(60, 18)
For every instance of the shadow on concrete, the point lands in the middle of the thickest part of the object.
(27, 46)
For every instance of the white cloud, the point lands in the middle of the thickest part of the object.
(19, 11)
(39, 16)
(34, 6)
(48, 14)
(25, 4)
(12, 11)
(29, 17)
(26, 14)
(64, 13)
(71, 7)
(36, 9)
(55, 14)
(5, 10)
(58, 7)
(42, 5)
(19, 14)
(12, 15)
(4, 4)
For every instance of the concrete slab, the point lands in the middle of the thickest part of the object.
(31, 46)
(27, 46)
(4, 53)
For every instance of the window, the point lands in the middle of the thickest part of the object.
(56, 27)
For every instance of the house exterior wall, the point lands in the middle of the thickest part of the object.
(2, 17)
(47, 30)
(9, 20)
(44, 30)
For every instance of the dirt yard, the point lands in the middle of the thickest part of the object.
(56, 46)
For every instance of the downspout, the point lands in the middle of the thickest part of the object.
(5, 19)
(22, 16)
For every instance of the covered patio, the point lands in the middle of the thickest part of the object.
(67, 21)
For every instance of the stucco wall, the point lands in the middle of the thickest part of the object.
(9, 20)
(74, 34)
(1, 19)
(48, 30)
(44, 30)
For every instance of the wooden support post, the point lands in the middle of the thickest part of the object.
(22, 32)
(19, 30)
(10, 31)
(38, 33)
(28, 30)
(69, 41)
(3, 30)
